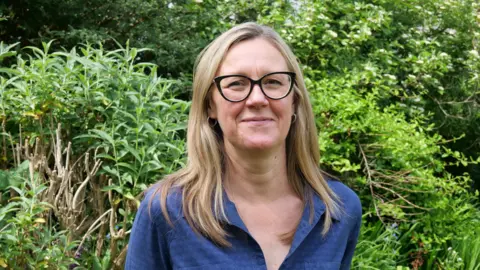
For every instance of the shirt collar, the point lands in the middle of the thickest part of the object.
(306, 225)
(233, 218)
(231, 213)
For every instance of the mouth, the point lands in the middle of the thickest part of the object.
(257, 120)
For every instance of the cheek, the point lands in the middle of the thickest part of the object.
(227, 113)
(284, 110)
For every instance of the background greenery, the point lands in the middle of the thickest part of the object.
(89, 121)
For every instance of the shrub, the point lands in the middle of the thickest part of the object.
(97, 129)
(378, 74)
(27, 237)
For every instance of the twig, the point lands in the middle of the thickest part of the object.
(445, 113)
(468, 100)
(369, 181)
(399, 177)
(118, 262)
(400, 196)
(4, 141)
(66, 181)
(90, 175)
(81, 223)
(58, 151)
(93, 227)
(414, 214)
(97, 193)
(402, 188)
(20, 139)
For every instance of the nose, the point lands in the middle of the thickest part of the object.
(256, 97)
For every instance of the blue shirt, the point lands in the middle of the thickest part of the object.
(154, 244)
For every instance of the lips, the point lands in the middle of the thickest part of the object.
(257, 119)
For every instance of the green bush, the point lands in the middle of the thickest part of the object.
(394, 88)
(378, 248)
(26, 237)
(97, 129)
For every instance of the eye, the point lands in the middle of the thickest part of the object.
(273, 82)
(236, 83)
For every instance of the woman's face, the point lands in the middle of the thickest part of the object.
(256, 122)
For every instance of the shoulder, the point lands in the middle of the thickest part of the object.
(151, 233)
(348, 198)
(150, 206)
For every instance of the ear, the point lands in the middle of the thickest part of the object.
(211, 109)
(294, 103)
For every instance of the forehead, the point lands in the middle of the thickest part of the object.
(253, 57)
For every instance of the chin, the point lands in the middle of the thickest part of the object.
(260, 144)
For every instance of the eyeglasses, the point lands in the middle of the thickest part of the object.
(236, 88)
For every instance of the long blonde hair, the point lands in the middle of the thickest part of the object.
(201, 180)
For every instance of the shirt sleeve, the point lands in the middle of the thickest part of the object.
(148, 244)
(353, 238)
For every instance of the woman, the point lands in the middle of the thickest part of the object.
(252, 195)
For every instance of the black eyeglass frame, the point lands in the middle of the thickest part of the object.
(253, 82)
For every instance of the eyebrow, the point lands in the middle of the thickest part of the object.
(245, 73)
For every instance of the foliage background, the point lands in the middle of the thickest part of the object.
(89, 121)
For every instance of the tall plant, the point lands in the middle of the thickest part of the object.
(97, 128)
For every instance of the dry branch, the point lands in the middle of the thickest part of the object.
(385, 185)
(69, 179)
(369, 181)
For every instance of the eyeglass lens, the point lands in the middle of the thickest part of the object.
(274, 86)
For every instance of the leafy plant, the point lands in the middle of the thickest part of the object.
(124, 129)
(468, 250)
(378, 247)
(27, 240)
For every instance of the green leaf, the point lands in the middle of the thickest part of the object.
(105, 156)
(129, 195)
(106, 262)
(112, 171)
(4, 180)
(113, 187)
(9, 237)
(105, 136)
(132, 151)
(96, 264)
(130, 167)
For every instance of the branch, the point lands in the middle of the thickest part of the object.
(444, 112)
(402, 188)
(400, 196)
(92, 227)
(468, 100)
(369, 178)
(90, 175)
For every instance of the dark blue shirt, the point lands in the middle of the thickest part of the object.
(154, 244)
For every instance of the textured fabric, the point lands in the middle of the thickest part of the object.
(156, 245)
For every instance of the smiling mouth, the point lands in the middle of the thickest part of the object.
(257, 120)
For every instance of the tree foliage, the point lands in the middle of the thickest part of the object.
(175, 31)
(419, 55)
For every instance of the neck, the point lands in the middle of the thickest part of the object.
(256, 176)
